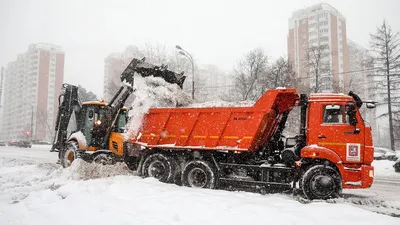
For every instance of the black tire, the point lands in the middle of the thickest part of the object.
(103, 158)
(199, 174)
(161, 167)
(397, 166)
(321, 182)
(69, 154)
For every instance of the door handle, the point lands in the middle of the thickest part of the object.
(355, 131)
(321, 136)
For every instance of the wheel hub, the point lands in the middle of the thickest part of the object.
(323, 185)
(156, 169)
(197, 178)
(70, 157)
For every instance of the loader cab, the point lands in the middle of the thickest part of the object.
(95, 119)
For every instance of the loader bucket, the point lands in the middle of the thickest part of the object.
(146, 69)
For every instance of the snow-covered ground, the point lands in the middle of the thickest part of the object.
(384, 168)
(35, 190)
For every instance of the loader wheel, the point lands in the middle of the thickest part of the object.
(161, 167)
(321, 182)
(199, 174)
(69, 154)
(102, 158)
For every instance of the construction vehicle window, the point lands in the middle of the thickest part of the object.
(122, 122)
(334, 114)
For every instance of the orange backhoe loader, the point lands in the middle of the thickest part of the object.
(94, 131)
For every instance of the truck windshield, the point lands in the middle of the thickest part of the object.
(335, 114)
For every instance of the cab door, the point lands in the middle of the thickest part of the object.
(331, 128)
(117, 136)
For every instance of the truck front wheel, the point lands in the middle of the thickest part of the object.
(321, 182)
(160, 166)
(199, 174)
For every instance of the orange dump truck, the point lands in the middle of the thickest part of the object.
(212, 147)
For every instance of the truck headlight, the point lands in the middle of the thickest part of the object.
(371, 173)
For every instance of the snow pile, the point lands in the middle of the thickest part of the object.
(153, 92)
(214, 104)
(384, 168)
(385, 207)
(81, 170)
(37, 192)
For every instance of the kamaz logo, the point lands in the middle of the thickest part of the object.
(240, 118)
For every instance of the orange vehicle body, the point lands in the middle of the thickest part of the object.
(247, 129)
(231, 128)
(356, 172)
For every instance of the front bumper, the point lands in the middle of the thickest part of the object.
(361, 177)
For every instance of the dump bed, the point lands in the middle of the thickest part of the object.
(227, 128)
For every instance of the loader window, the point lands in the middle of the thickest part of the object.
(334, 114)
(121, 122)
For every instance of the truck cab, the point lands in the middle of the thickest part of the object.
(336, 131)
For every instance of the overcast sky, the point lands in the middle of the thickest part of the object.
(215, 32)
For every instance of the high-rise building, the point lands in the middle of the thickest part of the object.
(32, 84)
(319, 27)
(114, 65)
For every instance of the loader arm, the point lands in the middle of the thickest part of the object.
(68, 104)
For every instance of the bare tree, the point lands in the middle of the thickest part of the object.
(249, 72)
(281, 74)
(318, 66)
(387, 46)
(86, 95)
(155, 54)
(361, 79)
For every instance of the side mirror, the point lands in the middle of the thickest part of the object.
(351, 112)
(370, 105)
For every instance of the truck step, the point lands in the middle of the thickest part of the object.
(270, 168)
(253, 182)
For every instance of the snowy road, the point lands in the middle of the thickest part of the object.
(34, 190)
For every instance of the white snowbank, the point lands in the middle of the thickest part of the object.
(384, 168)
(45, 194)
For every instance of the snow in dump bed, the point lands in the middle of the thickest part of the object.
(153, 92)
(213, 104)
(33, 193)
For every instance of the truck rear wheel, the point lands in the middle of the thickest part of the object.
(69, 154)
(321, 182)
(199, 174)
(161, 167)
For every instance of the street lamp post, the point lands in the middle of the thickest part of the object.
(31, 132)
(187, 55)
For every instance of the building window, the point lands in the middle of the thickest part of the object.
(324, 39)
